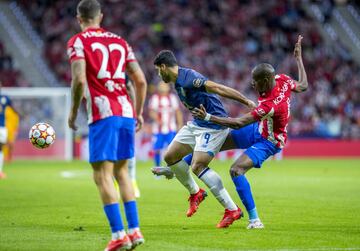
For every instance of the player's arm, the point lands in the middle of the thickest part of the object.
(302, 83)
(234, 123)
(138, 78)
(130, 90)
(179, 118)
(228, 92)
(78, 75)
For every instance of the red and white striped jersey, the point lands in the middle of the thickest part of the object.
(106, 55)
(273, 110)
(165, 106)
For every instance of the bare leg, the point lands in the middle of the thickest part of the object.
(103, 177)
(121, 175)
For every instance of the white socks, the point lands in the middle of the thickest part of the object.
(132, 168)
(182, 173)
(118, 235)
(1, 161)
(214, 183)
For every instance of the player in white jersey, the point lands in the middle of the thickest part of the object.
(166, 118)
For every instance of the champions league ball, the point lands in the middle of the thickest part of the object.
(42, 135)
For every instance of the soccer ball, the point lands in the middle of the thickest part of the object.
(42, 135)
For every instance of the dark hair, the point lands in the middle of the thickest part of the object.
(88, 9)
(165, 57)
(263, 70)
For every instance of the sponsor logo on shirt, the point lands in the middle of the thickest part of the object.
(198, 82)
(281, 96)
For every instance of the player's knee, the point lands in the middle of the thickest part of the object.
(170, 158)
(101, 179)
(237, 170)
(197, 167)
(98, 179)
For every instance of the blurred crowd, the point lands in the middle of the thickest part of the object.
(224, 40)
(9, 74)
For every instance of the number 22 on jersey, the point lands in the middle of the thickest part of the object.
(105, 51)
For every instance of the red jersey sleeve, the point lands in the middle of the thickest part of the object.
(130, 54)
(289, 80)
(75, 49)
(262, 111)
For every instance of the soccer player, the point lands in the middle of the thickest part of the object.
(5, 102)
(269, 135)
(12, 120)
(166, 117)
(99, 59)
(203, 137)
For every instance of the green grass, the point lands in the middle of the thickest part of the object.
(304, 204)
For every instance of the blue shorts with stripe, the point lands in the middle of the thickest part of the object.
(257, 148)
(112, 139)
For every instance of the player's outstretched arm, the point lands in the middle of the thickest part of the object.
(78, 75)
(228, 92)
(302, 84)
(138, 78)
(234, 123)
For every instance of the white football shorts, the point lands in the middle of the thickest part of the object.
(202, 139)
(3, 135)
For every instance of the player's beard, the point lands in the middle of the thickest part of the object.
(165, 78)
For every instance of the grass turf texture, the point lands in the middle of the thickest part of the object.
(304, 204)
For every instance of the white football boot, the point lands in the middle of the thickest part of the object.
(166, 171)
(255, 224)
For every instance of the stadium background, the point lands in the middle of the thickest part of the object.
(221, 39)
(305, 203)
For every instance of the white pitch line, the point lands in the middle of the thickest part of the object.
(308, 249)
(73, 174)
(284, 249)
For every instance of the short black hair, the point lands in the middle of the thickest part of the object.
(89, 9)
(165, 57)
(263, 70)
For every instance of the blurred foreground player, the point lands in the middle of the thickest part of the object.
(12, 120)
(4, 104)
(99, 59)
(166, 118)
(268, 135)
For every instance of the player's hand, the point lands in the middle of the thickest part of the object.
(139, 122)
(251, 104)
(71, 121)
(199, 113)
(297, 50)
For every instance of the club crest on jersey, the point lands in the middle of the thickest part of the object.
(261, 112)
(198, 82)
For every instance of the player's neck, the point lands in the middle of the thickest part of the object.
(89, 26)
(174, 72)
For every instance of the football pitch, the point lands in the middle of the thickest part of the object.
(304, 204)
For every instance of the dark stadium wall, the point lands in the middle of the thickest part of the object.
(322, 148)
